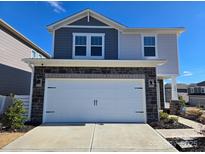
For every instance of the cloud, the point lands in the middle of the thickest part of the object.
(57, 6)
(187, 73)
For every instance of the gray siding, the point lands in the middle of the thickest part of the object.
(13, 80)
(197, 100)
(130, 46)
(92, 22)
(64, 40)
(12, 51)
(167, 49)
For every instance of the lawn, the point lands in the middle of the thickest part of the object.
(6, 137)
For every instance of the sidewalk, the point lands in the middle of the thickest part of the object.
(195, 125)
(183, 133)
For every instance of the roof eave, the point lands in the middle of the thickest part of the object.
(94, 63)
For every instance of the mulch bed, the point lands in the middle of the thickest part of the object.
(163, 125)
(198, 144)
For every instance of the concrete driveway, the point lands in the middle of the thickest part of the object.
(91, 137)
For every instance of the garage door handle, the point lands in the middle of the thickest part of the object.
(138, 88)
(95, 102)
(139, 112)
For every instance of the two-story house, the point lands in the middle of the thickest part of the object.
(197, 94)
(15, 75)
(182, 90)
(103, 71)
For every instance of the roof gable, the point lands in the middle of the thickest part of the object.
(82, 15)
(88, 22)
(89, 14)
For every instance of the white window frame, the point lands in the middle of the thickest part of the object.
(191, 90)
(88, 46)
(33, 54)
(143, 46)
(203, 90)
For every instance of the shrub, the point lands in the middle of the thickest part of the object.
(13, 118)
(193, 113)
(202, 119)
(164, 116)
(173, 119)
(182, 101)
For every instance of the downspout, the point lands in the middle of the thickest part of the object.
(31, 91)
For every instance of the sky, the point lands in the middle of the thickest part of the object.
(31, 19)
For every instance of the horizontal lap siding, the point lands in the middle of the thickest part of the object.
(167, 49)
(64, 40)
(13, 51)
(13, 80)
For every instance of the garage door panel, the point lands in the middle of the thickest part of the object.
(72, 100)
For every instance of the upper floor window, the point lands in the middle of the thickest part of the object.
(33, 54)
(149, 46)
(202, 90)
(88, 45)
(192, 90)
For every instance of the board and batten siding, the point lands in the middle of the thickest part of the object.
(13, 51)
(63, 41)
(92, 22)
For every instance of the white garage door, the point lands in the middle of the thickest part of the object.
(94, 100)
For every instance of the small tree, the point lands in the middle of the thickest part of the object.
(182, 101)
(13, 118)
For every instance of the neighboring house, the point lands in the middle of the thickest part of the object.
(197, 94)
(102, 71)
(15, 75)
(182, 90)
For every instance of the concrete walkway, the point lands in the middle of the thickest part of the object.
(183, 133)
(91, 137)
(179, 133)
(195, 125)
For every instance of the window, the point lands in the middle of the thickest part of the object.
(149, 43)
(88, 45)
(80, 45)
(202, 90)
(96, 46)
(192, 90)
(33, 54)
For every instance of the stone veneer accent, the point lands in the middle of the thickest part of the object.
(86, 72)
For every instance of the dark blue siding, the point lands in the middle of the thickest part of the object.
(13, 80)
(63, 41)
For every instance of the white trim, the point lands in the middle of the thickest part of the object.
(118, 45)
(113, 24)
(88, 46)
(164, 93)
(145, 101)
(81, 15)
(44, 101)
(158, 96)
(79, 26)
(174, 94)
(94, 63)
(177, 52)
(156, 47)
(166, 76)
(88, 17)
(53, 43)
(31, 91)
